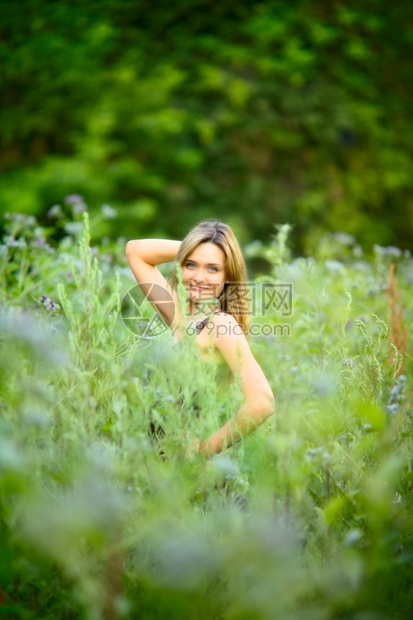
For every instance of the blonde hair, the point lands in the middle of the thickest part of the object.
(234, 298)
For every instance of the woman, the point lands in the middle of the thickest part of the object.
(214, 278)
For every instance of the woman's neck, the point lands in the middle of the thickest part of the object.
(201, 311)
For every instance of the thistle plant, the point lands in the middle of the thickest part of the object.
(92, 320)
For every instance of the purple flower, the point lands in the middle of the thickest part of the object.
(11, 242)
(77, 202)
(73, 199)
(49, 304)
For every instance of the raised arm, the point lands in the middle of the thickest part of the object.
(143, 256)
(259, 399)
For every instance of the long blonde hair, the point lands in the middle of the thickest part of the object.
(234, 298)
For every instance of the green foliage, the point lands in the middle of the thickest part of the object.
(310, 517)
(272, 111)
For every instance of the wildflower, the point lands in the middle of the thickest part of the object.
(326, 457)
(73, 199)
(390, 251)
(35, 417)
(38, 233)
(66, 242)
(49, 304)
(226, 466)
(344, 238)
(312, 453)
(11, 242)
(73, 228)
(77, 202)
(78, 208)
(42, 244)
(55, 211)
(362, 266)
(352, 537)
(109, 212)
(334, 265)
(396, 393)
(392, 409)
(393, 252)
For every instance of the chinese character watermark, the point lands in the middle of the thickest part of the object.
(255, 300)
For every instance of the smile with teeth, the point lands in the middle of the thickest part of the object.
(200, 290)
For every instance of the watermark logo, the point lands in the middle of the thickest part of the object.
(138, 315)
(276, 298)
(257, 300)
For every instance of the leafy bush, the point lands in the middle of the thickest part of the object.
(275, 111)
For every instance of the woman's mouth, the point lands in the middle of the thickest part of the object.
(200, 293)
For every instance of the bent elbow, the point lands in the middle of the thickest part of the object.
(130, 246)
(133, 249)
(270, 408)
(265, 407)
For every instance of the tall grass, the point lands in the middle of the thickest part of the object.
(310, 517)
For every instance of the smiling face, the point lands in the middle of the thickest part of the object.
(203, 273)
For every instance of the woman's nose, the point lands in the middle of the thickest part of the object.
(198, 276)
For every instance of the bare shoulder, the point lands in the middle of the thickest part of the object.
(229, 335)
(224, 318)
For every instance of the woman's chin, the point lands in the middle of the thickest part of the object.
(201, 297)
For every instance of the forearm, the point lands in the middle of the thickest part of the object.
(243, 422)
(153, 251)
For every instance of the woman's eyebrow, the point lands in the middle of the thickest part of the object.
(189, 260)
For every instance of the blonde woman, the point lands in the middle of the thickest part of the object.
(216, 313)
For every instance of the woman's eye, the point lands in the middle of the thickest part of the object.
(190, 265)
(213, 269)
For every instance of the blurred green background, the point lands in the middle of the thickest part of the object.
(254, 112)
